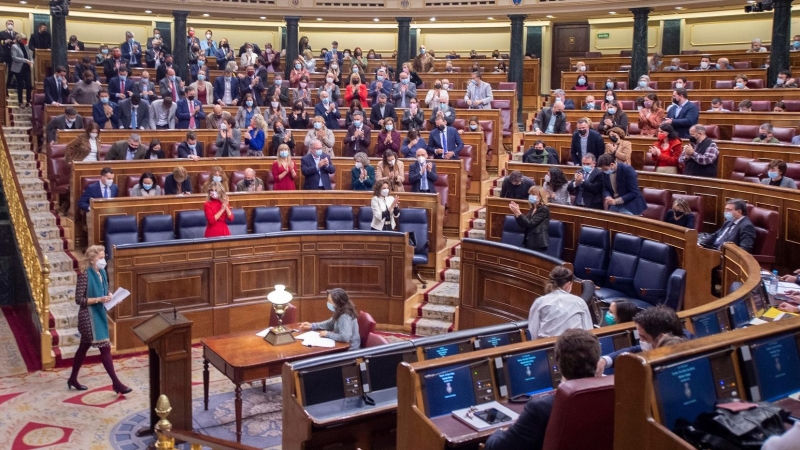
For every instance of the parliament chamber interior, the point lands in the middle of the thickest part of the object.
(489, 224)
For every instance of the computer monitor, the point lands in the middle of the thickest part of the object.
(530, 373)
(382, 369)
(613, 342)
(687, 388)
(740, 313)
(446, 389)
(772, 367)
(496, 340)
(760, 299)
(711, 323)
(330, 383)
(453, 348)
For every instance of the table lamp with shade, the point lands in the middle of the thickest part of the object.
(280, 299)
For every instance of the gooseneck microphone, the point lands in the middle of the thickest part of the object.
(174, 309)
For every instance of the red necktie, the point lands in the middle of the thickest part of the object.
(121, 87)
(191, 111)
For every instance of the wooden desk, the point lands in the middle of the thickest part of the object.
(246, 357)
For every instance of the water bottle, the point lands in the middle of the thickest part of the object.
(773, 283)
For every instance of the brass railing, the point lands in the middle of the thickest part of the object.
(36, 264)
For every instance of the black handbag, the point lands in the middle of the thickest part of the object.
(724, 429)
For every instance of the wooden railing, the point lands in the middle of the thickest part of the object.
(35, 263)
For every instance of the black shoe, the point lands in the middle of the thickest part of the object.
(122, 390)
(74, 384)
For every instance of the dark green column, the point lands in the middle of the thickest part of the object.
(779, 47)
(403, 42)
(291, 43)
(639, 46)
(516, 58)
(58, 32)
(180, 53)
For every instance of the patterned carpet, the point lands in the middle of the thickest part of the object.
(11, 361)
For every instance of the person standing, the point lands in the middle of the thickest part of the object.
(21, 63)
(479, 93)
(559, 310)
(218, 211)
(422, 173)
(283, 170)
(7, 39)
(363, 174)
(536, 222)
(385, 208)
(91, 293)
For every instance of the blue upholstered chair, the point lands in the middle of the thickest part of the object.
(339, 218)
(120, 230)
(303, 218)
(267, 219)
(416, 220)
(365, 218)
(239, 225)
(191, 224)
(157, 228)
(621, 267)
(591, 256)
(556, 233)
(513, 234)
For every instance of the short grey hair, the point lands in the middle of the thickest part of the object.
(135, 137)
(766, 126)
(558, 92)
(358, 113)
(756, 41)
(362, 158)
(383, 96)
(699, 129)
(314, 143)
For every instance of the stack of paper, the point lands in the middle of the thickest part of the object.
(119, 295)
(313, 339)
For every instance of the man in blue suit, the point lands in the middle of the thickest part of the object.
(226, 90)
(120, 87)
(317, 167)
(105, 188)
(105, 110)
(190, 111)
(381, 85)
(444, 142)
(620, 187)
(56, 90)
(683, 114)
(328, 110)
(334, 56)
(131, 50)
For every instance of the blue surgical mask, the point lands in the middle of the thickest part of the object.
(796, 44)
(533, 199)
(610, 319)
(380, 77)
(405, 81)
(201, 77)
(355, 69)
(131, 40)
(590, 105)
(284, 154)
(331, 307)
(104, 99)
(717, 66)
(779, 81)
(610, 85)
(608, 172)
(147, 187)
(200, 63)
(217, 178)
(278, 82)
(173, 78)
(123, 77)
(357, 123)
(319, 152)
(772, 175)
(612, 111)
(473, 127)
(728, 215)
(317, 125)
(192, 146)
(249, 103)
(642, 84)
(389, 127)
(587, 169)
(104, 51)
(740, 85)
(581, 81)
(422, 51)
(297, 66)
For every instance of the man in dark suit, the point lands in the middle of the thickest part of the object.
(190, 111)
(120, 87)
(317, 167)
(70, 120)
(587, 186)
(131, 50)
(112, 64)
(422, 173)
(380, 111)
(576, 353)
(328, 111)
(586, 140)
(516, 185)
(737, 228)
(105, 188)
(444, 110)
(134, 113)
(127, 150)
(226, 90)
(358, 135)
(172, 86)
(251, 84)
(162, 67)
(544, 123)
(190, 148)
(145, 87)
(56, 90)
(334, 56)
(380, 85)
(444, 142)
(105, 110)
(279, 86)
(7, 38)
(155, 56)
(683, 114)
(620, 187)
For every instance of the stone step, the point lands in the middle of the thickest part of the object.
(496, 191)
(62, 294)
(44, 219)
(25, 164)
(443, 294)
(31, 185)
(475, 234)
(453, 262)
(52, 245)
(477, 224)
(37, 205)
(30, 174)
(63, 315)
(16, 130)
(66, 337)
(456, 250)
(450, 275)
(61, 262)
(68, 351)
(48, 233)
(444, 313)
(480, 213)
(22, 155)
(34, 194)
(66, 278)
(516, 157)
(428, 327)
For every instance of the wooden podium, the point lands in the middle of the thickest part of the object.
(169, 338)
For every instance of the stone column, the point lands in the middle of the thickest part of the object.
(516, 58)
(779, 47)
(403, 42)
(639, 46)
(180, 52)
(58, 31)
(292, 43)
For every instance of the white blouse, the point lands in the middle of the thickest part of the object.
(92, 156)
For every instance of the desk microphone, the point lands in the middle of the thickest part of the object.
(174, 310)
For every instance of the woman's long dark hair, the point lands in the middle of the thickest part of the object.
(343, 304)
(626, 309)
(559, 277)
(557, 179)
(386, 156)
(671, 133)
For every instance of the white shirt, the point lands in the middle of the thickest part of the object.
(789, 440)
(92, 156)
(226, 97)
(557, 312)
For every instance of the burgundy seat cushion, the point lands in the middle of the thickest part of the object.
(723, 84)
(633, 128)
(57, 168)
(507, 86)
(784, 134)
(755, 171)
(687, 85)
(568, 428)
(792, 105)
(744, 133)
(793, 172)
(761, 105)
(695, 205)
(627, 105)
(235, 178)
(729, 105)
(622, 85)
(130, 182)
(366, 325)
(712, 131)
(658, 202)
(755, 84)
(742, 64)
(269, 181)
(739, 167)
(766, 222)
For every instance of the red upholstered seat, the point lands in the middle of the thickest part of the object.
(37, 113)
(687, 85)
(695, 205)
(622, 85)
(729, 105)
(461, 103)
(766, 222)
(86, 181)
(761, 105)
(653, 85)
(235, 178)
(625, 67)
(793, 172)
(366, 325)
(103, 151)
(568, 428)
(712, 131)
(723, 84)
(130, 182)
(696, 103)
(739, 167)
(792, 105)
(374, 340)
(784, 134)
(593, 54)
(57, 169)
(505, 115)
(649, 163)
(755, 84)
(202, 179)
(658, 202)
(442, 186)
(459, 124)
(742, 64)
(627, 105)
(507, 86)
(487, 126)
(744, 133)
(625, 53)
(269, 181)
(633, 128)
(755, 171)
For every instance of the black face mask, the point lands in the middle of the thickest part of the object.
(693, 140)
(613, 138)
(763, 137)
(248, 182)
(441, 127)
(538, 150)
(437, 86)
(583, 132)
(676, 101)
(190, 97)
(88, 81)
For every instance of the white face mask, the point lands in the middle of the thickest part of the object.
(385, 192)
(391, 163)
(646, 347)
(101, 264)
(208, 36)
(359, 165)
(421, 159)
(93, 135)
(108, 182)
(213, 194)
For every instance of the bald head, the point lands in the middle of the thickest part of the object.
(249, 173)
(421, 152)
(558, 106)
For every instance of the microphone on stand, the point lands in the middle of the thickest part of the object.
(174, 309)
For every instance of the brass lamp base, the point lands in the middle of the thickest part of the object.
(279, 336)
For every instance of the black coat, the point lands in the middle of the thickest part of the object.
(590, 191)
(594, 145)
(536, 227)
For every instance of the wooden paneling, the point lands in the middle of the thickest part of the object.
(224, 294)
(570, 40)
(756, 59)
(703, 79)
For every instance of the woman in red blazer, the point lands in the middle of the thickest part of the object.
(217, 210)
(666, 150)
(283, 170)
(356, 89)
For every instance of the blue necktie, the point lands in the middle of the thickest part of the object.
(133, 118)
(105, 192)
(444, 141)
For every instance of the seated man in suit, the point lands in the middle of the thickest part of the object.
(171, 86)
(127, 150)
(404, 91)
(683, 114)
(145, 87)
(56, 90)
(134, 113)
(317, 168)
(551, 120)
(587, 186)
(540, 154)
(251, 84)
(105, 111)
(422, 173)
(380, 111)
(651, 324)
(560, 96)
(277, 88)
(328, 110)
(70, 120)
(516, 186)
(585, 141)
(105, 188)
(358, 134)
(576, 353)
(226, 90)
(162, 114)
(189, 111)
(620, 187)
(120, 87)
(737, 228)
(444, 110)
(444, 142)
(381, 85)
(251, 183)
(190, 148)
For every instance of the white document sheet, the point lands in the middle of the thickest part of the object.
(119, 295)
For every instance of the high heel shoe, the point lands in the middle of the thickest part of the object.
(122, 390)
(74, 384)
